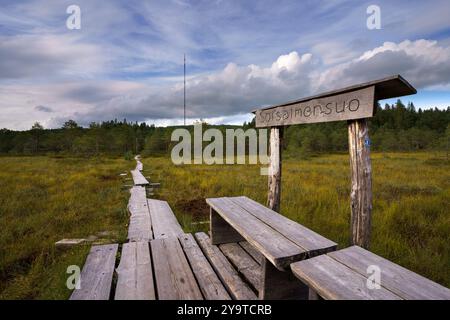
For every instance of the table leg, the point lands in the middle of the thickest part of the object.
(279, 285)
(221, 231)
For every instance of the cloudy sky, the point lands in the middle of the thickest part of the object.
(126, 61)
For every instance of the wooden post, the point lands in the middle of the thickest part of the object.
(361, 190)
(274, 182)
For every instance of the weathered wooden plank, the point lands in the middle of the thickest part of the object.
(274, 176)
(221, 231)
(140, 227)
(389, 87)
(138, 178)
(243, 262)
(309, 240)
(401, 281)
(334, 281)
(135, 275)
(355, 104)
(139, 165)
(252, 251)
(280, 285)
(361, 189)
(173, 275)
(97, 273)
(228, 275)
(164, 222)
(207, 279)
(273, 245)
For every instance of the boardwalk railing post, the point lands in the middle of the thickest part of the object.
(361, 189)
(274, 177)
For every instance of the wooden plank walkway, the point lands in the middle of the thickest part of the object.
(140, 227)
(138, 178)
(160, 261)
(97, 274)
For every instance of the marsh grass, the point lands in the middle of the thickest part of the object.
(411, 191)
(45, 199)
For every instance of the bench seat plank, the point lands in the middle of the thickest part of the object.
(273, 245)
(243, 262)
(403, 282)
(311, 241)
(135, 275)
(230, 278)
(335, 281)
(173, 275)
(97, 273)
(140, 227)
(259, 258)
(164, 222)
(210, 285)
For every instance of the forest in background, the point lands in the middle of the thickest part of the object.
(394, 127)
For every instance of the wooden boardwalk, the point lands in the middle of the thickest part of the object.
(240, 261)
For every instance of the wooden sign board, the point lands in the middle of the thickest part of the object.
(356, 104)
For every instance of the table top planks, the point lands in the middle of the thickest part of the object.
(281, 240)
(406, 284)
(273, 245)
(173, 275)
(164, 222)
(97, 273)
(309, 240)
(209, 283)
(135, 275)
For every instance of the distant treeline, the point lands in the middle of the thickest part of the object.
(394, 128)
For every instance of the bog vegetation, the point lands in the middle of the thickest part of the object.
(46, 199)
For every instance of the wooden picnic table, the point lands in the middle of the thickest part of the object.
(278, 239)
(345, 274)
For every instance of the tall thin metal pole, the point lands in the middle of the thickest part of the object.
(184, 97)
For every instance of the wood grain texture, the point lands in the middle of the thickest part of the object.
(258, 257)
(243, 262)
(355, 104)
(140, 227)
(307, 239)
(334, 281)
(135, 275)
(97, 273)
(209, 283)
(173, 275)
(237, 288)
(275, 165)
(221, 231)
(273, 245)
(401, 281)
(361, 188)
(164, 222)
(138, 178)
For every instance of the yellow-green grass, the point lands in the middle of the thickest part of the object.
(46, 199)
(411, 207)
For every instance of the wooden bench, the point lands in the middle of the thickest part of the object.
(97, 273)
(344, 274)
(278, 239)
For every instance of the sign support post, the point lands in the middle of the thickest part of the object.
(274, 177)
